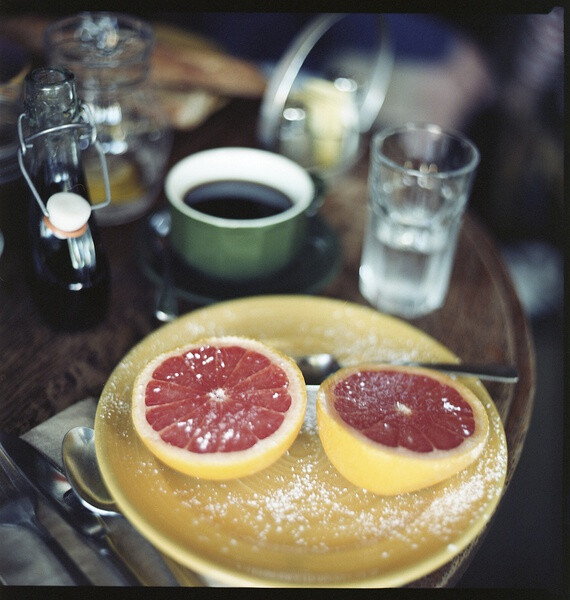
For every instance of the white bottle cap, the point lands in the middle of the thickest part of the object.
(68, 211)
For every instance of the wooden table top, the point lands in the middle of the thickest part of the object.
(42, 372)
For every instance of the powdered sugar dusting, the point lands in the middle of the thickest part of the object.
(302, 502)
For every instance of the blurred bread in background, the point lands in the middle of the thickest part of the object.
(191, 75)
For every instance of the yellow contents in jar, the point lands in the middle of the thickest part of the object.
(124, 179)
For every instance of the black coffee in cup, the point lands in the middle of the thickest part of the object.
(237, 199)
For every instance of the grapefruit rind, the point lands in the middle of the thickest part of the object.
(386, 470)
(223, 465)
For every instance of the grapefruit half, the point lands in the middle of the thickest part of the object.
(393, 430)
(221, 408)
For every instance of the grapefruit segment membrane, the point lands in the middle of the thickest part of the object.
(393, 430)
(220, 408)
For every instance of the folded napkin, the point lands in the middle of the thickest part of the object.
(24, 561)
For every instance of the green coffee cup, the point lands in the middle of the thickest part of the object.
(227, 247)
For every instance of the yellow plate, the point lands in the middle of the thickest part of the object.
(298, 522)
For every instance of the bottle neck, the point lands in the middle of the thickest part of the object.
(51, 109)
(50, 98)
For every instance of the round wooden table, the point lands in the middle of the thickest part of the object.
(43, 372)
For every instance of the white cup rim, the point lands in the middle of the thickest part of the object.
(237, 163)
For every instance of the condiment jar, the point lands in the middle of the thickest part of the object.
(68, 267)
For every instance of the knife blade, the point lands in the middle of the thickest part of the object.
(47, 478)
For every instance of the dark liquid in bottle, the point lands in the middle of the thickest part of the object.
(70, 296)
(237, 200)
(70, 309)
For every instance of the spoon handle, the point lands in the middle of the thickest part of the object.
(166, 303)
(106, 548)
(122, 566)
(317, 367)
(489, 372)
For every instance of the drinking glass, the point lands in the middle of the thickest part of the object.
(419, 183)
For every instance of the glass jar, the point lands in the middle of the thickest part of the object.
(109, 53)
(325, 93)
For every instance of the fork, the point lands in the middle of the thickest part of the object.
(18, 510)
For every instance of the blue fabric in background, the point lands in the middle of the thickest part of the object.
(266, 36)
(420, 37)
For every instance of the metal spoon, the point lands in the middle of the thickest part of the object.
(82, 470)
(166, 308)
(317, 367)
(83, 473)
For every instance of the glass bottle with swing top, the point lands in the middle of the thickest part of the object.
(69, 271)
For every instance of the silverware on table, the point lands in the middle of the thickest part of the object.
(19, 509)
(45, 477)
(317, 367)
(82, 470)
(166, 308)
(81, 467)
